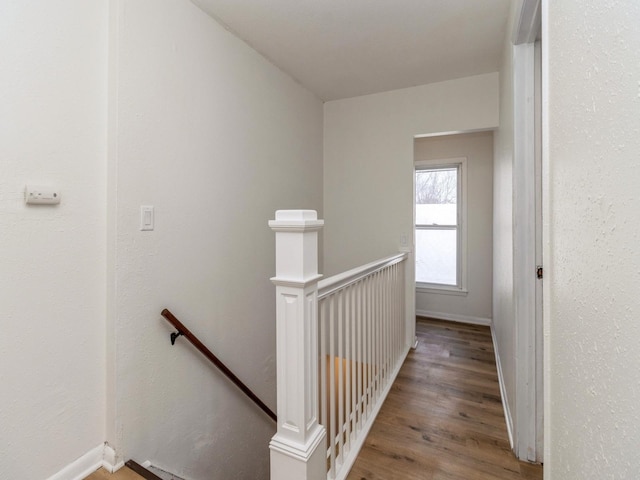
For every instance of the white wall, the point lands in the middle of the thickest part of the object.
(52, 131)
(368, 160)
(478, 149)
(503, 292)
(592, 327)
(216, 138)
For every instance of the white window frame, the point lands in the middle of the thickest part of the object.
(461, 261)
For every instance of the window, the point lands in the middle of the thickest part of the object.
(439, 224)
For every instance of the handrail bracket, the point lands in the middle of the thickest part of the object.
(174, 336)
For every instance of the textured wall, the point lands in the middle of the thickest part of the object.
(368, 160)
(478, 148)
(593, 370)
(52, 259)
(217, 139)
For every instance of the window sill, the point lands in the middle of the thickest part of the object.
(441, 290)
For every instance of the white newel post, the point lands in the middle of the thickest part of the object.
(298, 450)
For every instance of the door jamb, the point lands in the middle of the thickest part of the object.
(528, 359)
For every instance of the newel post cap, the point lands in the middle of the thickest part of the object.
(296, 220)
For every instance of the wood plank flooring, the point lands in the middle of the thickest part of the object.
(123, 474)
(443, 418)
(130, 471)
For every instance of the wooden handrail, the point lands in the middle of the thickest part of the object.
(182, 330)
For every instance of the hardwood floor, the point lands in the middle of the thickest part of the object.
(131, 471)
(443, 418)
(123, 474)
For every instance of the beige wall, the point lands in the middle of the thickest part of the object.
(53, 112)
(368, 166)
(503, 235)
(592, 255)
(478, 149)
(215, 138)
(368, 160)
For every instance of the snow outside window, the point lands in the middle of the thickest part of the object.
(437, 225)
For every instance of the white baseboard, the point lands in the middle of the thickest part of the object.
(101, 456)
(110, 460)
(503, 390)
(454, 318)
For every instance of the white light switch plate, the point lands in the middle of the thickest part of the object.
(146, 218)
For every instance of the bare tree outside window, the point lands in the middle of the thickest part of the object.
(437, 186)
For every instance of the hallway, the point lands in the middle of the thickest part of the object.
(443, 418)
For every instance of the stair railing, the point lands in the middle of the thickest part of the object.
(184, 331)
(362, 347)
(340, 344)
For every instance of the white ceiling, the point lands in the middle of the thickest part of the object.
(345, 48)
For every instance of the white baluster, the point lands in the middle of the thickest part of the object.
(340, 422)
(332, 387)
(349, 366)
(324, 359)
(359, 355)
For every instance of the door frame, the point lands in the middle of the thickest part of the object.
(527, 241)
